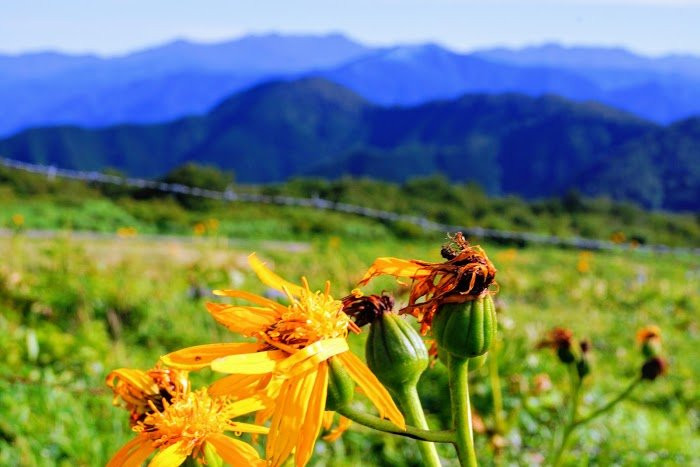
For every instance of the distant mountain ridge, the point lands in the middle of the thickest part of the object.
(508, 143)
(183, 78)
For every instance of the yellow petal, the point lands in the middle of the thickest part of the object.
(244, 406)
(314, 417)
(343, 425)
(271, 279)
(288, 420)
(233, 451)
(313, 354)
(255, 363)
(132, 453)
(249, 428)
(328, 419)
(243, 319)
(236, 385)
(257, 299)
(172, 456)
(200, 356)
(372, 388)
(394, 267)
(136, 378)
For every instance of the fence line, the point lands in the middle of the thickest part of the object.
(320, 203)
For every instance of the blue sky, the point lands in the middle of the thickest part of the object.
(117, 26)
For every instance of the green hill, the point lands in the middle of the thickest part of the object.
(507, 143)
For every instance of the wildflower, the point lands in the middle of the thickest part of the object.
(18, 220)
(141, 392)
(295, 345)
(466, 275)
(212, 224)
(649, 340)
(126, 232)
(561, 340)
(199, 229)
(193, 422)
(584, 262)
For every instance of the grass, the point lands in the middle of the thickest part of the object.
(72, 310)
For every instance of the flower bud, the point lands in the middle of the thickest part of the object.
(341, 386)
(649, 338)
(395, 352)
(561, 340)
(653, 368)
(583, 367)
(466, 330)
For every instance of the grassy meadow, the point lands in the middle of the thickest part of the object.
(72, 309)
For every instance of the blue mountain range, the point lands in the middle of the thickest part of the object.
(185, 78)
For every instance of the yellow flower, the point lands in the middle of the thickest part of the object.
(290, 359)
(18, 220)
(199, 229)
(138, 391)
(193, 422)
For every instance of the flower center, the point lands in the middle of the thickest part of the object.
(311, 317)
(189, 419)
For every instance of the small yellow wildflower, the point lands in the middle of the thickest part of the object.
(199, 229)
(187, 426)
(18, 220)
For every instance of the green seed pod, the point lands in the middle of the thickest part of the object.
(341, 386)
(395, 352)
(583, 367)
(466, 330)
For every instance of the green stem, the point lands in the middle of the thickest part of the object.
(610, 404)
(461, 410)
(386, 426)
(410, 405)
(496, 393)
(575, 382)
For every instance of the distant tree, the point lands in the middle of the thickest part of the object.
(200, 176)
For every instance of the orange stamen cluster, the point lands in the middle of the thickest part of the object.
(189, 419)
(309, 318)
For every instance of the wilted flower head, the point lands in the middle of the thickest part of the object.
(465, 275)
(365, 309)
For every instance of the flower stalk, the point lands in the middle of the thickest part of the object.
(380, 424)
(458, 369)
(412, 409)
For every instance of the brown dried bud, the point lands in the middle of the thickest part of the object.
(367, 309)
(561, 340)
(653, 368)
